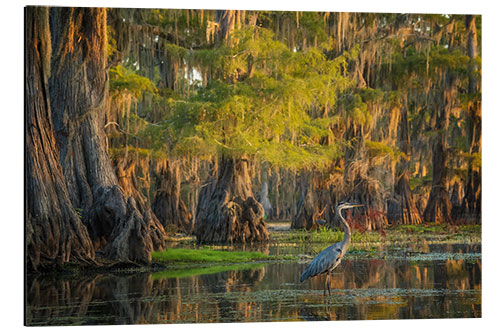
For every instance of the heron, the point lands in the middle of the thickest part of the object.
(329, 258)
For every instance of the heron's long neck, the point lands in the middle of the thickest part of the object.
(347, 232)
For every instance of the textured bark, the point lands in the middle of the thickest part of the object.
(79, 93)
(470, 209)
(168, 205)
(360, 187)
(307, 207)
(264, 198)
(127, 180)
(55, 234)
(131, 239)
(438, 207)
(226, 20)
(227, 211)
(402, 208)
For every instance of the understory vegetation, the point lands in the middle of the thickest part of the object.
(396, 234)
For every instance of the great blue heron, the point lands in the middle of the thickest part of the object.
(330, 257)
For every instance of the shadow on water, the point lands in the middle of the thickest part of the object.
(415, 285)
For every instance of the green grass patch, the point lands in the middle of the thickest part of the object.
(438, 228)
(205, 270)
(207, 256)
(420, 228)
(472, 228)
(324, 235)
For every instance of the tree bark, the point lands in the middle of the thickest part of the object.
(227, 211)
(79, 93)
(126, 173)
(168, 205)
(360, 187)
(438, 207)
(55, 234)
(470, 209)
(402, 208)
(307, 206)
(226, 20)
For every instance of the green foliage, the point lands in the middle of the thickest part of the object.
(112, 46)
(429, 65)
(324, 234)
(140, 153)
(266, 114)
(357, 104)
(123, 80)
(380, 149)
(79, 212)
(417, 182)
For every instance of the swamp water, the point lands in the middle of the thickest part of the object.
(433, 281)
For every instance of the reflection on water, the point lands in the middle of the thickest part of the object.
(401, 286)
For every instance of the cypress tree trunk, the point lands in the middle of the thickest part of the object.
(264, 198)
(402, 209)
(307, 206)
(168, 205)
(438, 207)
(471, 204)
(127, 180)
(55, 234)
(79, 92)
(227, 210)
(361, 188)
(226, 20)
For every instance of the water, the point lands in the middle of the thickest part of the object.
(433, 281)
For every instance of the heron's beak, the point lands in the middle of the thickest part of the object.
(356, 205)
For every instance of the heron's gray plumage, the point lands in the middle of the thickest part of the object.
(330, 257)
(325, 261)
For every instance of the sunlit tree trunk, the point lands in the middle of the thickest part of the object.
(308, 205)
(471, 204)
(264, 191)
(168, 205)
(438, 207)
(227, 210)
(79, 92)
(55, 234)
(404, 209)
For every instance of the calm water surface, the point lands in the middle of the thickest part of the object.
(430, 281)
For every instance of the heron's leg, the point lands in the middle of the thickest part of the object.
(329, 292)
(327, 284)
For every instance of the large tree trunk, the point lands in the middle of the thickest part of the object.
(360, 187)
(470, 209)
(79, 92)
(438, 207)
(402, 208)
(127, 179)
(308, 213)
(55, 234)
(168, 205)
(227, 210)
